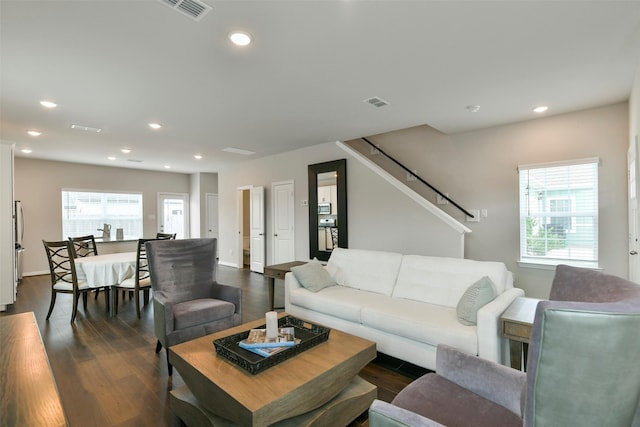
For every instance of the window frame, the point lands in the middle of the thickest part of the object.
(578, 231)
(133, 225)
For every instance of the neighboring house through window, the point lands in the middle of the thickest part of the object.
(85, 212)
(559, 213)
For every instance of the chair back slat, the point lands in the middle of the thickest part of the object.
(83, 246)
(62, 266)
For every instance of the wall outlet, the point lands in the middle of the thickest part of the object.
(305, 203)
(476, 215)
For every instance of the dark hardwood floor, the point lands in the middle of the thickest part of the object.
(107, 371)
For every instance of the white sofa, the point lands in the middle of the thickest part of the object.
(406, 303)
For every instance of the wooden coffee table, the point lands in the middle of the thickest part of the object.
(319, 386)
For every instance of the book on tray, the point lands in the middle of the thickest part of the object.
(258, 342)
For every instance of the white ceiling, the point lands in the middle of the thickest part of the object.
(119, 65)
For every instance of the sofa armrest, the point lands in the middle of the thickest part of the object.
(383, 414)
(490, 341)
(290, 284)
(495, 382)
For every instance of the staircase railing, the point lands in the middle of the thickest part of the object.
(440, 193)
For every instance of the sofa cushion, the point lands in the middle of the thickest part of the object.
(313, 276)
(372, 271)
(475, 297)
(338, 301)
(427, 323)
(443, 281)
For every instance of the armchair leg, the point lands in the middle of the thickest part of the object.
(158, 347)
(169, 365)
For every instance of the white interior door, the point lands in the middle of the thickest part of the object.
(173, 214)
(634, 245)
(283, 222)
(211, 212)
(257, 220)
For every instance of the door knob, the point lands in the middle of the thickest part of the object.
(275, 235)
(633, 253)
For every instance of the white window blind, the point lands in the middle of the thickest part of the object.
(84, 212)
(559, 213)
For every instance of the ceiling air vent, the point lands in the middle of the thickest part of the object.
(193, 8)
(376, 102)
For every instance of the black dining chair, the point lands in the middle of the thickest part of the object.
(139, 282)
(64, 279)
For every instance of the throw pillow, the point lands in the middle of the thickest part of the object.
(313, 276)
(475, 297)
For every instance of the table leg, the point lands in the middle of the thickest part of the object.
(272, 285)
(515, 351)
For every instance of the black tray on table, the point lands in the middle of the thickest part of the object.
(309, 335)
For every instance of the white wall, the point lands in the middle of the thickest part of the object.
(379, 216)
(38, 184)
(477, 169)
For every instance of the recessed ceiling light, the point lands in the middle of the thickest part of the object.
(111, 157)
(472, 108)
(198, 156)
(155, 126)
(125, 150)
(167, 166)
(34, 133)
(48, 104)
(540, 109)
(240, 38)
(26, 150)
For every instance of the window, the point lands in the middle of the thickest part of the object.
(559, 213)
(86, 212)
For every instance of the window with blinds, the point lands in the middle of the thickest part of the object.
(559, 213)
(84, 212)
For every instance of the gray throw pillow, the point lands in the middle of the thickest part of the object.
(475, 297)
(313, 276)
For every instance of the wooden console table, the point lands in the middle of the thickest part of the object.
(28, 392)
(517, 321)
(277, 271)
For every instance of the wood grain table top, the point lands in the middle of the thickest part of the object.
(28, 392)
(292, 387)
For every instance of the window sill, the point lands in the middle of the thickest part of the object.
(551, 265)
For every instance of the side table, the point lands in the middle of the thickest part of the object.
(517, 321)
(277, 271)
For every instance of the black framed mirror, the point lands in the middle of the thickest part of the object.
(327, 208)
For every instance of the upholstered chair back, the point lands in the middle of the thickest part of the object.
(185, 268)
(582, 284)
(583, 365)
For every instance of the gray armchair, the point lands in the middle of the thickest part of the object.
(582, 368)
(187, 301)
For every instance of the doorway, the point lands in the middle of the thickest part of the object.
(173, 214)
(251, 228)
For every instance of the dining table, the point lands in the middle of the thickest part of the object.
(100, 271)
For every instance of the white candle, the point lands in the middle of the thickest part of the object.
(272, 324)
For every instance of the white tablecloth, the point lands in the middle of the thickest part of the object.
(106, 270)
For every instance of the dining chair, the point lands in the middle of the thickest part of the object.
(163, 236)
(188, 302)
(84, 246)
(63, 275)
(140, 281)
